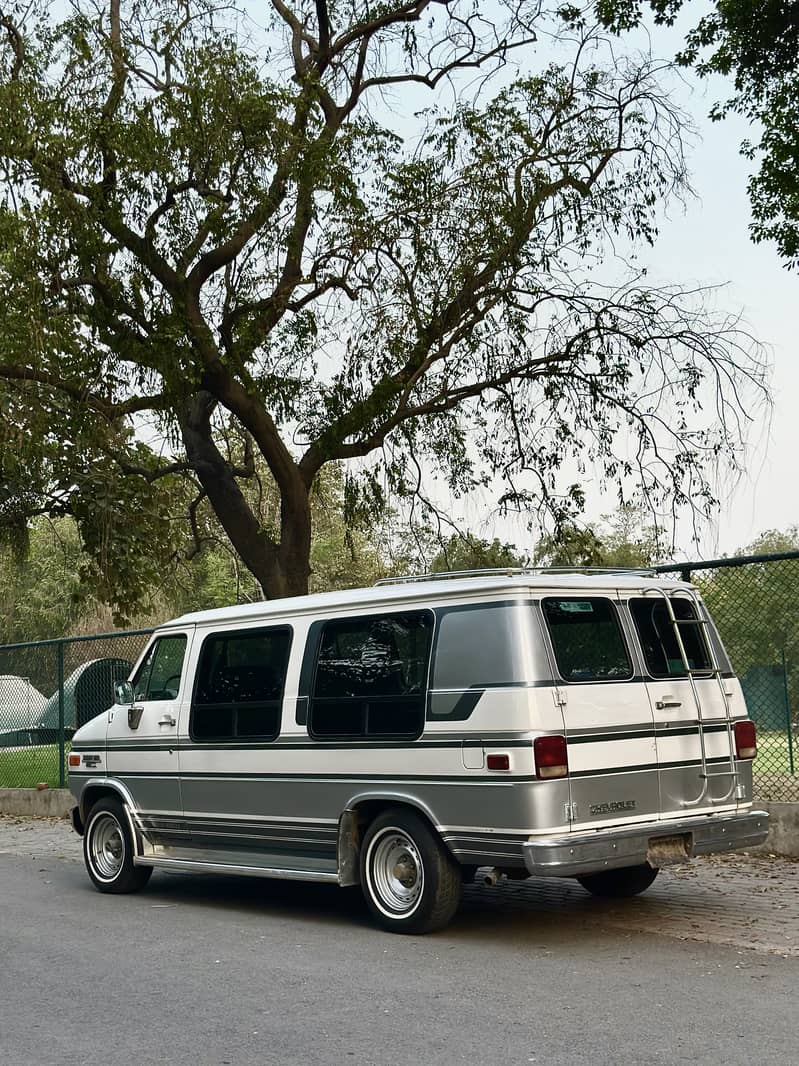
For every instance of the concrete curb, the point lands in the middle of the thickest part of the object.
(783, 838)
(35, 803)
(783, 831)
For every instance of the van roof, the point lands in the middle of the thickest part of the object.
(429, 587)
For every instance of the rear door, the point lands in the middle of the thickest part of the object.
(688, 710)
(613, 771)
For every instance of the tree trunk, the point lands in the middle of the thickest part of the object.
(280, 569)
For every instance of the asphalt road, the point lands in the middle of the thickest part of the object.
(213, 970)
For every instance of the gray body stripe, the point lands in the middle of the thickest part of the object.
(598, 736)
(683, 764)
(659, 731)
(501, 778)
(317, 745)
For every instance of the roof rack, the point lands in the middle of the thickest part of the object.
(516, 571)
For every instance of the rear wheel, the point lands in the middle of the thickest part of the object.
(108, 850)
(621, 883)
(410, 882)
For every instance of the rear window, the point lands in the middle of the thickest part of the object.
(587, 639)
(659, 641)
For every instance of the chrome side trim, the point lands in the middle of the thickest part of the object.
(606, 849)
(107, 782)
(135, 835)
(279, 873)
(387, 795)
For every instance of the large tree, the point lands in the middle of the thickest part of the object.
(363, 233)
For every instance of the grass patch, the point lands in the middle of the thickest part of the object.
(774, 755)
(27, 767)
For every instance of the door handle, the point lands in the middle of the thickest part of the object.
(666, 703)
(167, 720)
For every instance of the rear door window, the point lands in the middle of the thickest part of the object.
(587, 639)
(659, 641)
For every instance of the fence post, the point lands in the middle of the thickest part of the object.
(789, 722)
(60, 668)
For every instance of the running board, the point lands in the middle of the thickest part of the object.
(195, 866)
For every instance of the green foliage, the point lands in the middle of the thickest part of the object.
(56, 588)
(626, 538)
(755, 605)
(469, 552)
(631, 538)
(44, 596)
(568, 546)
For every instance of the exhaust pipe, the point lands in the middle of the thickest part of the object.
(491, 877)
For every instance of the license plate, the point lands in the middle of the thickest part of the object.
(663, 851)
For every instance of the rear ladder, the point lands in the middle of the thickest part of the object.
(736, 788)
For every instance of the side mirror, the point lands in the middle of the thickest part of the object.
(123, 693)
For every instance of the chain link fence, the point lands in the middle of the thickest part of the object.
(47, 690)
(754, 601)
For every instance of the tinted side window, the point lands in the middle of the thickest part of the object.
(587, 639)
(240, 681)
(659, 641)
(371, 676)
(158, 677)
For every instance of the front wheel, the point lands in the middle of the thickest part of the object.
(108, 850)
(410, 882)
(622, 883)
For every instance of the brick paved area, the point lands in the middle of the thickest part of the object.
(744, 901)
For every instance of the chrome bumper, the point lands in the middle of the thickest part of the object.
(605, 849)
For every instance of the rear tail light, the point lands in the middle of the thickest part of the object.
(498, 762)
(550, 757)
(745, 740)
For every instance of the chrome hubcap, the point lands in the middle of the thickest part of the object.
(107, 847)
(396, 872)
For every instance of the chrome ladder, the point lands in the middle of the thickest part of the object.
(736, 789)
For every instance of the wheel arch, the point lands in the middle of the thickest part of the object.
(360, 811)
(99, 787)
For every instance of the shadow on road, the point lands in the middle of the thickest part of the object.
(533, 907)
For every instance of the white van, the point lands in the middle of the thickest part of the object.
(400, 737)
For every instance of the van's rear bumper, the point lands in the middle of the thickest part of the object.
(606, 849)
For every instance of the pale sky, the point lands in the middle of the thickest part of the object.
(707, 243)
(710, 244)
